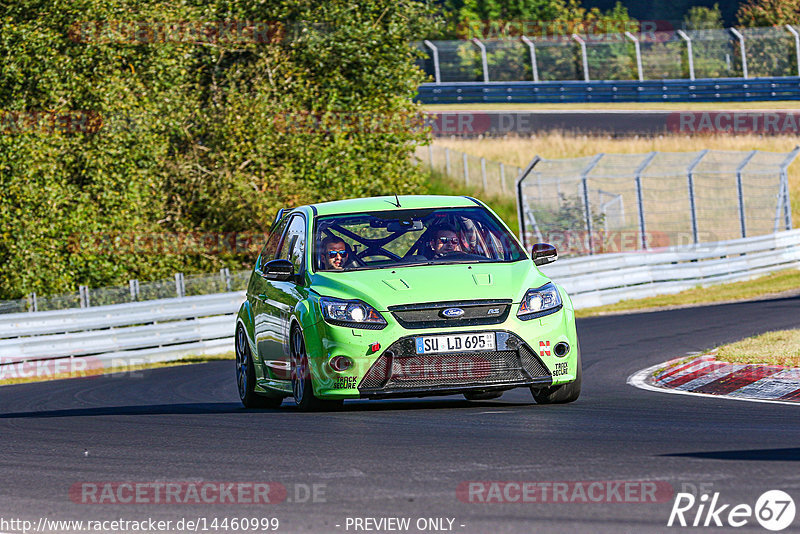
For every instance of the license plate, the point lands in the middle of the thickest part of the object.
(455, 343)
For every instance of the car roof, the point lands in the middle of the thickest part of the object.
(386, 203)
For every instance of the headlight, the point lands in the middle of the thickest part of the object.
(353, 313)
(538, 302)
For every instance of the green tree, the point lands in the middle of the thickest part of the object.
(199, 134)
(760, 13)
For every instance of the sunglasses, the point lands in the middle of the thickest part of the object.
(334, 253)
(445, 240)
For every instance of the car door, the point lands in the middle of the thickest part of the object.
(277, 301)
(292, 291)
(268, 335)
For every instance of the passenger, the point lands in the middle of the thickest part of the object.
(334, 253)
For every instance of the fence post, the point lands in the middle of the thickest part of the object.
(639, 197)
(483, 172)
(447, 161)
(180, 287)
(638, 54)
(83, 295)
(466, 168)
(740, 37)
(583, 55)
(502, 177)
(436, 74)
(32, 304)
(430, 156)
(739, 191)
(787, 208)
(796, 45)
(134, 285)
(225, 274)
(484, 60)
(534, 65)
(521, 202)
(690, 184)
(587, 208)
(689, 52)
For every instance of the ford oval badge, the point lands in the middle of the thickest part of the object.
(452, 313)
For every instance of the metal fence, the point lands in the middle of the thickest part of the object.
(180, 286)
(483, 174)
(627, 202)
(654, 55)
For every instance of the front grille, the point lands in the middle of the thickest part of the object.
(429, 315)
(399, 368)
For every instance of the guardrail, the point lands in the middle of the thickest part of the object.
(705, 90)
(608, 278)
(155, 330)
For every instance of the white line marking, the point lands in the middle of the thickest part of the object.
(638, 380)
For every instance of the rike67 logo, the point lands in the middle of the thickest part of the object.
(774, 510)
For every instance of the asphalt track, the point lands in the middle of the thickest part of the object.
(406, 458)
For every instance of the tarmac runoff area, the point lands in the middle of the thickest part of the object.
(703, 375)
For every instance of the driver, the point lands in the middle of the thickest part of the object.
(334, 253)
(444, 242)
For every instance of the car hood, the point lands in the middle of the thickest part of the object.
(382, 288)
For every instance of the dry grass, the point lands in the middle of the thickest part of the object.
(773, 348)
(783, 281)
(125, 369)
(620, 106)
(519, 151)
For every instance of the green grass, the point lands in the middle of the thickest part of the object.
(759, 287)
(619, 106)
(781, 347)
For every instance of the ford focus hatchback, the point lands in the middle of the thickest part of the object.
(404, 296)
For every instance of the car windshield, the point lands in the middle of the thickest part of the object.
(402, 238)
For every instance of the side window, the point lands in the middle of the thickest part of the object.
(271, 247)
(294, 244)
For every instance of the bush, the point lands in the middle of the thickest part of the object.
(194, 135)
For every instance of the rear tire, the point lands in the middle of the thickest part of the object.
(246, 376)
(302, 388)
(564, 393)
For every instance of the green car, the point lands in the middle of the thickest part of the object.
(404, 296)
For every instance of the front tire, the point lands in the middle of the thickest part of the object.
(564, 393)
(246, 376)
(302, 388)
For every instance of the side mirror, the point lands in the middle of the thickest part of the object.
(279, 270)
(543, 253)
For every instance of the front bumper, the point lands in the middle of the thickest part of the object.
(399, 371)
(521, 359)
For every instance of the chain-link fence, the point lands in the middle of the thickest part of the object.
(627, 202)
(653, 55)
(180, 286)
(482, 174)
